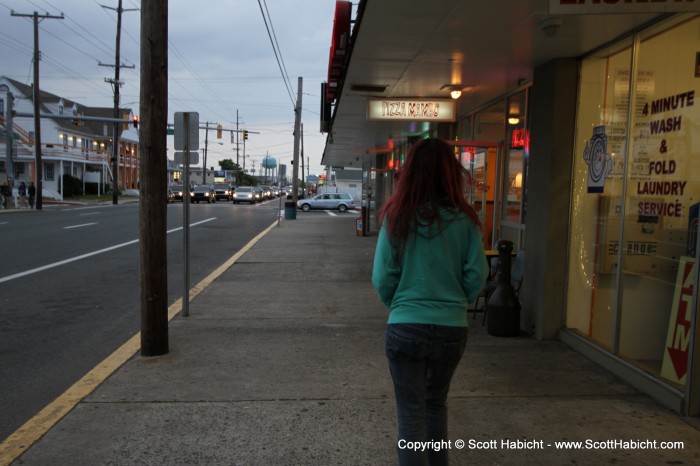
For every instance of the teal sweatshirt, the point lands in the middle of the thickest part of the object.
(443, 268)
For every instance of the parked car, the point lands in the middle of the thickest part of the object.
(178, 191)
(340, 201)
(223, 191)
(203, 193)
(170, 196)
(245, 194)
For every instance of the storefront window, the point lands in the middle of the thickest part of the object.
(465, 129)
(634, 208)
(516, 141)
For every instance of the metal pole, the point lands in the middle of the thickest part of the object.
(301, 156)
(186, 216)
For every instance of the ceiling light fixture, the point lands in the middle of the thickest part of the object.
(456, 89)
(550, 26)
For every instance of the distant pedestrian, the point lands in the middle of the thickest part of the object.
(5, 194)
(22, 193)
(31, 191)
(429, 264)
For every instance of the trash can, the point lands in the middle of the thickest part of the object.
(359, 230)
(290, 210)
(503, 308)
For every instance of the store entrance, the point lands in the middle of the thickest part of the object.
(377, 186)
(482, 160)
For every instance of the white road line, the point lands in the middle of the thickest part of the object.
(80, 226)
(332, 214)
(84, 256)
(90, 213)
(192, 225)
(85, 208)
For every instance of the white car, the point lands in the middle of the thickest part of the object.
(245, 194)
(339, 201)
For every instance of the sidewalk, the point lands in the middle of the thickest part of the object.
(281, 362)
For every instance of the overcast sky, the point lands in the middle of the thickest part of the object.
(220, 60)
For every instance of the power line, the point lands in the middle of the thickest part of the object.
(277, 56)
(103, 47)
(285, 75)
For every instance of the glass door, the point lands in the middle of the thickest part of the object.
(482, 159)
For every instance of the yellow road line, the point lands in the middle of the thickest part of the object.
(35, 428)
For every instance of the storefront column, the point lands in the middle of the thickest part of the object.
(552, 127)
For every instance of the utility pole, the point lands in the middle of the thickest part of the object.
(116, 84)
(204, 162)
(9, 142)
(153, 167)
(37, 120)
(297, 137)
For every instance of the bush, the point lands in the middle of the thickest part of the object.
(91, 188)
(71, 186)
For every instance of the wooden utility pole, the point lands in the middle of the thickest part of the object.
(37, 102)
(297, 139)
(116, 83)
(153, 168)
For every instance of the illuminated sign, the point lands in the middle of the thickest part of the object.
(517, 139)
(574, 7)
(412, 109)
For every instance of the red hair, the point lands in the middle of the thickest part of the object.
(431, 178)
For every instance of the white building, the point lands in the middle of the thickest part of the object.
(82, 150)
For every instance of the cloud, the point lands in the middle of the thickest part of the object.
(220, 60)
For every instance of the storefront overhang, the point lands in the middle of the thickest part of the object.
(412, 49)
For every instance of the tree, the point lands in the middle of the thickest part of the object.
(227, 164)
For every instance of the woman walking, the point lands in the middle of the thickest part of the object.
(429, 265)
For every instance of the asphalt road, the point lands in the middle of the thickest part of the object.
(69, 288)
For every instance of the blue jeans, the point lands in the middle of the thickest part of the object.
(422, 360)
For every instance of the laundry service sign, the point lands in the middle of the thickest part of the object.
(580, 7)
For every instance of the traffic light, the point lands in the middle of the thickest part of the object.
(218, 131)
(136, 121)
(245, 134)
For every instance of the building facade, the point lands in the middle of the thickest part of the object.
(81, 149)
(581, 132)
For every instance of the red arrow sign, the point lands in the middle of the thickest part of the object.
(678, 348)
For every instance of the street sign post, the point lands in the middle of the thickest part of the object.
(186, 140)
